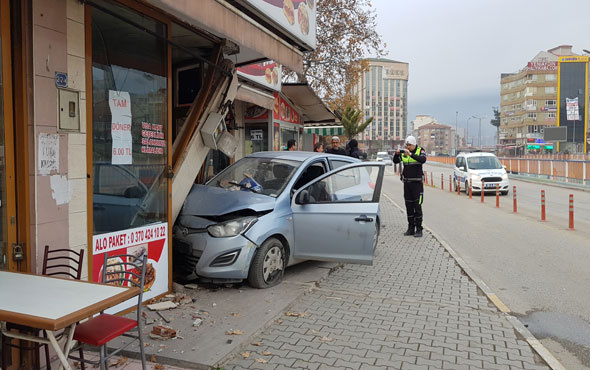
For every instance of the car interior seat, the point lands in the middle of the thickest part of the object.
(280, 172)
(311, 173)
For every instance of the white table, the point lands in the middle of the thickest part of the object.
(52, 304)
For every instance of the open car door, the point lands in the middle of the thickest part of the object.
(335, 217)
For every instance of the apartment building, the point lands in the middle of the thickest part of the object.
(528, 101)
(435, 138)
(383, 94)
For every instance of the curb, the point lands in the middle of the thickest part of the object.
(549, 359)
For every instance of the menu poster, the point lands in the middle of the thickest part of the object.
(151, 239)
(120, 104)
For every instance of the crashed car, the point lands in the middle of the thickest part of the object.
(271, 210)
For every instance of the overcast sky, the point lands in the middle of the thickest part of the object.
(457, 49)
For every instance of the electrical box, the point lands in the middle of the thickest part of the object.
(69, 110)
(227, 144)
(212, 129)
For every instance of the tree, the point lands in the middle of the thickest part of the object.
(346, 33)
(496, 122)
(351, 122)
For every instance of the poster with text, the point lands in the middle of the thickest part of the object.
(120, 104)
(151, 239)
(573, 113)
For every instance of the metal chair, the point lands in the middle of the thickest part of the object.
(127, 270)
(57, 262)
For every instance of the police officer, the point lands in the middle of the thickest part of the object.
(412, 158)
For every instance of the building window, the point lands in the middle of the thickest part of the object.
(129, 121)
(551, 103)
(551, 115)
(550, 90)
(532, 116)
(551, 77)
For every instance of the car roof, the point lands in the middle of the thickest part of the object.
(299, 156)
(477, 154)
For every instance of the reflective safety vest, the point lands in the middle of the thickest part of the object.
(407, 160)
(413, 172)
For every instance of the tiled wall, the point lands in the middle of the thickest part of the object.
(58, 46)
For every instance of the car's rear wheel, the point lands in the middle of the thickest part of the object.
(268, 265)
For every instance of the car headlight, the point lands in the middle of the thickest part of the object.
(476, 177)
(505, 176)
(231, 228)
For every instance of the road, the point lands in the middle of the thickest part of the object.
(538, 269)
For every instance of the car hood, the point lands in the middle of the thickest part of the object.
(206, 200)
(489, 173)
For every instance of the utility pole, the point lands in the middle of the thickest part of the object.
(479, 131)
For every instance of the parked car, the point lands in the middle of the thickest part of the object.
(478, 167)
(385, 158)
(271, 210)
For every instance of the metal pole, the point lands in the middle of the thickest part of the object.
(455, 138)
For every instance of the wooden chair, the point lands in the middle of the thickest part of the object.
(57, 262)
(127, 270)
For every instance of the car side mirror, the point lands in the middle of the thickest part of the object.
(504, 166)
(303, 197)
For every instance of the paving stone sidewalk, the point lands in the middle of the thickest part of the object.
(413, 309)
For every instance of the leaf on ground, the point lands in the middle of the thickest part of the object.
(122, 361)
(257, 344)
(245, 354)
(314, 332)
(261, 361)
(235, 314)
(158, 367)
(279, 321)
(296, 314)
(326, 339)
(153, 358)
(266, 353)
(234, 332)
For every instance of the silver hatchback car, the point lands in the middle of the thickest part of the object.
(271, 210)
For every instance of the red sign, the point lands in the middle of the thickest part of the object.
(283, 111)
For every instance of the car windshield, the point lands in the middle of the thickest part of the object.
(267, 176)
(484, 163)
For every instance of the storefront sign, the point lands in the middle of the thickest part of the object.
(297, 17)
(542, 66)
(120, 104)
(256, 113)
(48, 153)
(283, 111)
(152, 138)
(152, 239)
(61, 79)
(256, 135)
(573, 113)
(268, 74)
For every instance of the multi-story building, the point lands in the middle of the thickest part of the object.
(528, 100)
(382, 93)
(435, 138)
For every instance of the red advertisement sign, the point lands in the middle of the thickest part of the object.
(152, 239)
(283, 111)
(542, 66)
(268, 74)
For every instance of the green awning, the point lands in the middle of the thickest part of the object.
(325, 131)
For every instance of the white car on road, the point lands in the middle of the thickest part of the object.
(385, 158)
(478, 167)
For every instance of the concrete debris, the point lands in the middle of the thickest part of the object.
(178, 288)
(162, 332)
(163, 317)
(161, 306)
(191, 286)
(197, 322)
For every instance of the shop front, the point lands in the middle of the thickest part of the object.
(287, 123)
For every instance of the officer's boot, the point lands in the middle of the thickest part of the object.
(410, 230)
(418, 233)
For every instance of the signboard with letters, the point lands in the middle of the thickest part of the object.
(573, 113)
(120, 104)
(283, 111)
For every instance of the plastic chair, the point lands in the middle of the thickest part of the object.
(57, 262)
(127, 270)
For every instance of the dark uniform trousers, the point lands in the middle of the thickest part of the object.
(413, 195)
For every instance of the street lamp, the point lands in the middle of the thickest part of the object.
(479, 132)
(467, 134)
(455, 137)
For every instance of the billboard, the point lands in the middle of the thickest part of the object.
(296, 17)
(268, 74)
(555, 134)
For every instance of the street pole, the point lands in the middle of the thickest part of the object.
(467, 135)
(455, 137)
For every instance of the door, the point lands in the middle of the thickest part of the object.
(335, 217)
(8, 231)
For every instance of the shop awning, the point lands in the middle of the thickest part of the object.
(225, 21)
(313, 108)
(325, 130)
(255, 96)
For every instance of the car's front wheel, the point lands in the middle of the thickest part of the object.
(454, 185)
(268, 265)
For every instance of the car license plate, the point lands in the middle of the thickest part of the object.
(490, 186)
